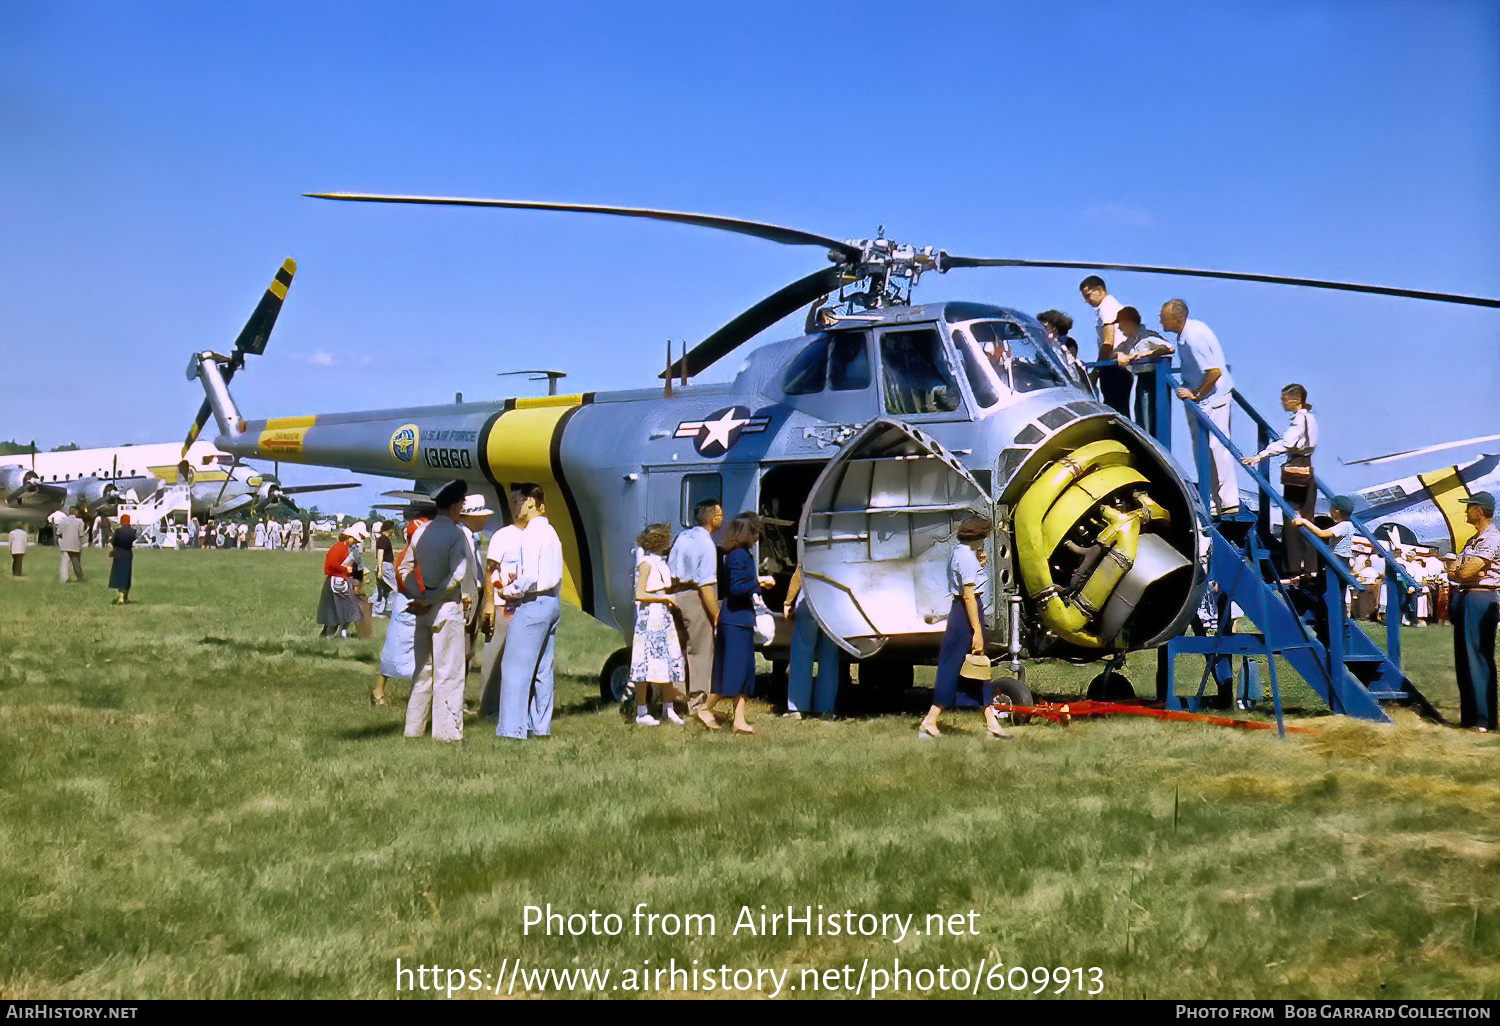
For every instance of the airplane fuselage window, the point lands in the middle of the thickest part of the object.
(917, 378)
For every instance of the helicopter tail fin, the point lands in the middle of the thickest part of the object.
(251, 341)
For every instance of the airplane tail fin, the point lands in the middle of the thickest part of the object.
(252, 339)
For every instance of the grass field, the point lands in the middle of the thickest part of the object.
(197, 800)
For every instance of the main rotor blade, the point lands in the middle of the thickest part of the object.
(947, 263)
(757, 319)
(769, 232)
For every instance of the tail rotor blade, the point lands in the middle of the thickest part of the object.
(257, 329)
(252, 339)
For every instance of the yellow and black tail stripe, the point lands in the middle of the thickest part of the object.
(1450, 492)
(523, 442)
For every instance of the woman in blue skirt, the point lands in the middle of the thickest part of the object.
(965, 634)
(734, 639)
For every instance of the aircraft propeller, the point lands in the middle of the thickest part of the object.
(880, 260)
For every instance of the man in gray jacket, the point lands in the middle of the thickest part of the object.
(70, 532)
(442, 556)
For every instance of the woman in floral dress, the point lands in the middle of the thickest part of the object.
(656, 651)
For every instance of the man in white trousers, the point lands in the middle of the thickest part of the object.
(1205, 373)
(442, 556)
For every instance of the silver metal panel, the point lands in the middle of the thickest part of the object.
(854, 486)
(890, 483)
(890, 536)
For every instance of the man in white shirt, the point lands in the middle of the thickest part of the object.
(526, 666)
(694, 562)
(17, 551)
(1114, 382)
(1205, 375)
(442, 555)
(502, 566)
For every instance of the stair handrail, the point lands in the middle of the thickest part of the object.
(1406, 579)
(1334, 563)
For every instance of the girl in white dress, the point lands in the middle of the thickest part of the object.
(656, 651)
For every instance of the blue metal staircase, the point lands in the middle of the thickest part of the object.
(1337, 659)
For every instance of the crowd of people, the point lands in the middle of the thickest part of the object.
(450, 595)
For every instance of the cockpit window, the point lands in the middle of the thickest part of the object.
(849, 362)
(983, 381)
(809, 371)
(917, 376)
(1015, 358)
(840, 363)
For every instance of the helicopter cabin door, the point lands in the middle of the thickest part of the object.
(877, 533)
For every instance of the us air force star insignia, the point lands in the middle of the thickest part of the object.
(716, 434)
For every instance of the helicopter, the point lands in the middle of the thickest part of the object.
(862, 443)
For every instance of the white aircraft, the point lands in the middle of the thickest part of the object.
(1427, 509)
(32, 486)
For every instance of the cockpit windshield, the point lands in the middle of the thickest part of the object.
(917, 377)
(1001, 358)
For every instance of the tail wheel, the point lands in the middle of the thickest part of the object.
(1110, 686)
(1008, 692)
(614, 679)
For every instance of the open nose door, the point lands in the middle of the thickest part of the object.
(877, 532)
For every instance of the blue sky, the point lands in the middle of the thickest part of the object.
(154, 155)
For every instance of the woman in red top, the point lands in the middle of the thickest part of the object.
(337, 607)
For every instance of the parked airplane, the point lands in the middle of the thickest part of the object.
(1426, 509)
(32, 486)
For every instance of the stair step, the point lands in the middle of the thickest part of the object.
(1386, 696)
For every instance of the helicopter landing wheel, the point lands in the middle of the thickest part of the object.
(1008, 692)
(614, 679)
(1110, 686)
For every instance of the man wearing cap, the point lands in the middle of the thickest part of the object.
(1340, 539)
(1475, 609)
(441, 556)
(526, 667)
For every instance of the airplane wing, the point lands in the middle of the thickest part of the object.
(1391, 457)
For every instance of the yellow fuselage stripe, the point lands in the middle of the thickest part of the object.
(520, 449)
(290, 422)
(540, 401)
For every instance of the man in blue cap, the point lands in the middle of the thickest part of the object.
(1474, 608)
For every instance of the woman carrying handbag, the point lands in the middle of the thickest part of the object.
(1297, 484)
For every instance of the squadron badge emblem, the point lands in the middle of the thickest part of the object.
(404, 442)
(716, 434)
